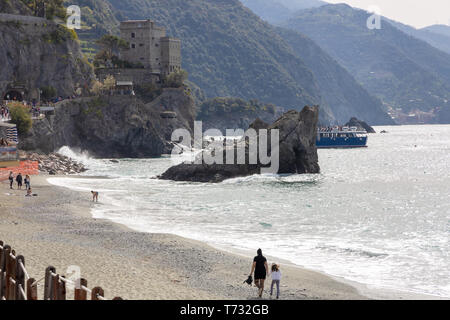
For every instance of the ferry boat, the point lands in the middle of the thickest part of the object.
(345, 137)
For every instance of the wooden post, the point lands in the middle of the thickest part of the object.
(3, 270)
(55, 287)
(61, 293)
(31, 291)
(20, 278)
(9, 274)
(48, 287)
(97, 291)
(80, 294)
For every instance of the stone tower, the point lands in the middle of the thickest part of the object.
(150, 46)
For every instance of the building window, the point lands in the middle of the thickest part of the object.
(133, 35)
(133, 46)
(141, 44)
(156, 45)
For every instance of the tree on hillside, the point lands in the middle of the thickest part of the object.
(175, 79)
(110, 47)
(21, 117)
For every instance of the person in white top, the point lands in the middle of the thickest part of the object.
(276, 278)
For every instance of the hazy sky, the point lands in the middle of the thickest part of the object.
(418, 13)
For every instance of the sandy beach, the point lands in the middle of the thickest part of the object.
(56, 228)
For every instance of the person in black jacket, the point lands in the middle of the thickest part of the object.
(260, 268)
(19, 181)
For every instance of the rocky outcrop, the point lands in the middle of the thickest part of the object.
(37, 53)
(297, 152)
(361, 125)
(54, 163)
(113, 126)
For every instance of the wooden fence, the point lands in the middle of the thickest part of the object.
(16, 284)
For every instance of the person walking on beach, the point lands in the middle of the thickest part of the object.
(19, 181)
(260, 268)
(27, 182)
(94, 196)
(276, 278)
(11, 180)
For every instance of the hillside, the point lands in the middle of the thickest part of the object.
(278, 11)
(235, 113)
(407, 74)
(439, 29)
(223, 59)
(269, 10)
(230, 52)
(434, 35)
(347, 97)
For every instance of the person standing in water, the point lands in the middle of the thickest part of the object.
(94, 196)
(260, 268)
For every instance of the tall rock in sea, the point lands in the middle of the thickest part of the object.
(296, 148)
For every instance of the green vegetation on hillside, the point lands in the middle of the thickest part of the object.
(20, 116)
(175, 79)
(227, 50)
(60, 35)
(53, 8)
(236, 106)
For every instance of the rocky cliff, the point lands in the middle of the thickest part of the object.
(296, 149)
(114, 126)
(35, 53)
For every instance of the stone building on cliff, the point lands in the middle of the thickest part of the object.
(150, 47)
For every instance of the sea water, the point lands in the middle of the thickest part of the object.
(379, 216)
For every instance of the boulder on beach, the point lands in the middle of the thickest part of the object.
(296, 148)
(361, 125)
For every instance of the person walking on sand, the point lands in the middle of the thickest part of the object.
(19, 181)
(94, 196)
(260, 268)
(11, 179)
(276, 278)
(27, 182)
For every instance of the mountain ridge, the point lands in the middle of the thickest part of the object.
(407, 74)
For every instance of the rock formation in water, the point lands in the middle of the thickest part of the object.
(361, 125)
(113, 126)
(297, 152)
